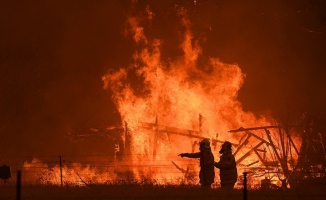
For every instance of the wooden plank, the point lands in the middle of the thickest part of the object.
(249, 152)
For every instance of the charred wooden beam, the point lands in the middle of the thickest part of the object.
(179, 168)
(249, 152)
(252, 163)
(200, 119)
(155, 139)
(281, 161)
(177, 131)
(242, 144)
(261, 150)
(260, 158)
(252, 128)
(291, 141)
(248, 135)
(259, 138)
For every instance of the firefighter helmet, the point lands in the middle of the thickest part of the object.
(226, 147)
(205, 143)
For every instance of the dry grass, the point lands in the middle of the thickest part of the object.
(125, 192)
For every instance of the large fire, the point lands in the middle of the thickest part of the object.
(177, 93)
(168, 106)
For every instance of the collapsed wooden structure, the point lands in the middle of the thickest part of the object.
(285, 158)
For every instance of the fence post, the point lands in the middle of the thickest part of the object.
(60, 171)
(18, 194)
(244, 185)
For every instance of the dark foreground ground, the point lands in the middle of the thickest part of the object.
(33, 192)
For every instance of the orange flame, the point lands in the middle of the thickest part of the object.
(176, 93)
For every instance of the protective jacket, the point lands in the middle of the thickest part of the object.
(228, 169)
(207, 173)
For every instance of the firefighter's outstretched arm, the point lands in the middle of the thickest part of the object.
(190, 155)
(183, 155)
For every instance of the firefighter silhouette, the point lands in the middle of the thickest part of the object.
(206, 159)
(227, 166)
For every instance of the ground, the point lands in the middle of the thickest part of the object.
(153, 192)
